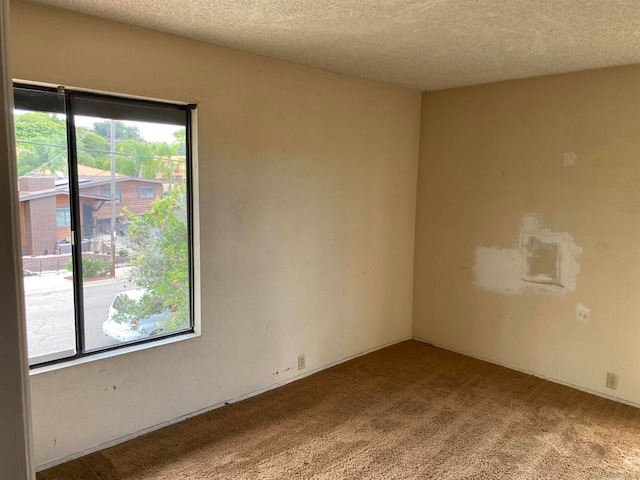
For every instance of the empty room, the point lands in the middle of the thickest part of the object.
(320, 239)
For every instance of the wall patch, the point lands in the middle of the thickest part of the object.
(543, 262)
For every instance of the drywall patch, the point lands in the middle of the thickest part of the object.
(543, 262)
(498, 269)
(541, 259)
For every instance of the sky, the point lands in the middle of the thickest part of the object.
(152, 132)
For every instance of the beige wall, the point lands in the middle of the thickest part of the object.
(307, 209)
(489, 156)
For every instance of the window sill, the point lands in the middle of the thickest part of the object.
(112, 353)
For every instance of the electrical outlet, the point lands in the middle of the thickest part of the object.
(301, 362)
(612, 380)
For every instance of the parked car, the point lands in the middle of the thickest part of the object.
(123, 326)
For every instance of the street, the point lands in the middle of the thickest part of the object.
(50, 317)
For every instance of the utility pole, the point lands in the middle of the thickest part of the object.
(112, 141)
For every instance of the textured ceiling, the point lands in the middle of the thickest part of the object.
(421, 44)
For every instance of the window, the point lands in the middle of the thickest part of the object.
(124, 274)
(147, 192)
(106, 192)
(63, 217)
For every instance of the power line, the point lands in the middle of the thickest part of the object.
(50, 161)
(106, 152)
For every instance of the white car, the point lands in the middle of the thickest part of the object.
(134, 329)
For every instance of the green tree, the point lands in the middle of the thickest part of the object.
(123, 131)
(93, 150)
(161, 266)
(41, 158)
(41, 143)
(41, 125)
(180, 142)
(145, 159)
(42, 146)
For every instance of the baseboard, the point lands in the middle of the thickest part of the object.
(528, 372)
(181, 418)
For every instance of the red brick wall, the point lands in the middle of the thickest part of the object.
(130, 198)
(38, 217)
(40, 226)
(62, 233)
(131, 195)
(36, 183)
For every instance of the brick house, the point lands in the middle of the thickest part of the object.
(45, 218)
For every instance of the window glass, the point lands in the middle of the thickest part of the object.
(147, 192)
(103, 275)
(42, 165)
(141, 243)
(63, 217)
(106, 192)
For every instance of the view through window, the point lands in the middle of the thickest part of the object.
(106, 224)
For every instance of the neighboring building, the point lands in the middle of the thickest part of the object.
(45, 217)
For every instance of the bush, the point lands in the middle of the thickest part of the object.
(94, 267)
(91, 267)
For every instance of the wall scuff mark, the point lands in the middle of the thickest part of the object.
(543, 262)
(583, 314)
(569, 159)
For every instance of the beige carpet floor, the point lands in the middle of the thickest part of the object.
(410, 411)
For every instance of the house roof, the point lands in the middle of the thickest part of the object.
(420, 44)
(24, 196)
(88, 182)
(85, 171)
